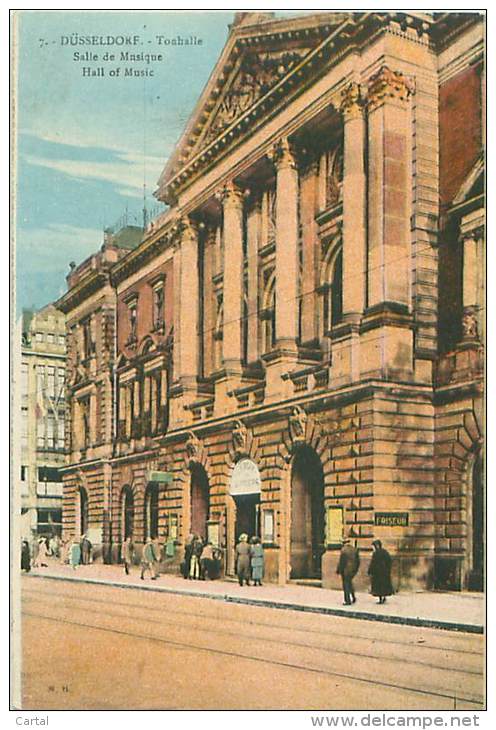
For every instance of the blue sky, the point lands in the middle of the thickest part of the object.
(84, 145)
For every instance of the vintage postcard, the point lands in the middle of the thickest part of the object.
(249, 452)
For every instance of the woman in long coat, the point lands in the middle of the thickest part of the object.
(75, 554)
(257, 561)
(243, 554)
(380, 572)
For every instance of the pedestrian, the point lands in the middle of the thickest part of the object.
(349, 562)
(207, 561)
(243, 554)
(127, 554)
(42, 558)
(149, 560)
(380, 572)
(64, 551)
(196, 552)
(75, 554)
(25, 556)
(257, 561)
(188, 552)
(86, 547)
(35, 547)
(54, 545)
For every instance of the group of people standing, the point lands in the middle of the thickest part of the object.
(249, 560)
(201, 559)
(379, 571)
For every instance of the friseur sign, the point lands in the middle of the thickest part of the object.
(391, 519)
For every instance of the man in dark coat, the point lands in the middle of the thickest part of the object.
(380, 572)
(25, 556)
(85, 550)
(349, 562)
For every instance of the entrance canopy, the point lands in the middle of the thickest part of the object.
(245, 478)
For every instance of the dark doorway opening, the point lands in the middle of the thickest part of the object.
(151, 511)
(200, 494)
(247, 515)
(83, 511)
(307, 515)
(127, 503)
(476, 580)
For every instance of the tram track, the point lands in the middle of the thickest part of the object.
(205, 633)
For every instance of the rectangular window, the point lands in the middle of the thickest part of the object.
(24, 378)
(24, 428)
(62, 340)
(158, 304)
(24, 473)
(40, 379)
(41, 433)
(51, 382)
(39, 337)
(61, 432)
(50, 338)
(50, 431)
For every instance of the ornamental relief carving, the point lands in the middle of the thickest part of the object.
(258, 73)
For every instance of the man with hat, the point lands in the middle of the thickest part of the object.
(349, 562)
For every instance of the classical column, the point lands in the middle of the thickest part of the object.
(389, 137)
(253, 235)
(287, 266)
(232, 204)
(188, 304)
(354, 204)
(309, 181)
(470, 285)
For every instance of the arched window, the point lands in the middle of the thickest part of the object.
(218, 334)
(269, 315)
(331, 290)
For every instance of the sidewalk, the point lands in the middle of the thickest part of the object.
(451, 611)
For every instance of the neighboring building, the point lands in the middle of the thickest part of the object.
(42, 424)
(298, 347)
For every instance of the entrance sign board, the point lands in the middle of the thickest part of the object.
(161, 477)
(334, 525)
(391, 519)
(245, 478)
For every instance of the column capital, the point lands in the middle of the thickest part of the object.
(352, 104)
(187, 230)
(388, 84)
(283, 155)
(230, 195)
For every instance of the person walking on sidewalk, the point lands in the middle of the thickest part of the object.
(243, 554)
(25, 556)
(149, 560)
(196, 552)
(127, 554)
(380, 572)
(75, 554)
(85, 550)
(257, 561)
(349, 562)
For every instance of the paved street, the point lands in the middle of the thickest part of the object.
(100, 647)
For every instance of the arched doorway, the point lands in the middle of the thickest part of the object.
(82, 511)
(307, 514)
(199, 495)
(127, 512)
(245, 489)
(476, 578)
(151, 511)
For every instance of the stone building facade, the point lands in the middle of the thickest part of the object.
(41, 398)
(294, 349)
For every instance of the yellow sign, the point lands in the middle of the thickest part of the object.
(334, 525)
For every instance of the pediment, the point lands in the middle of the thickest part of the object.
(472, 185)
(259, 54)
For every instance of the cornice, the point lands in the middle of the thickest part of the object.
(353, 33)
(89, 285)
(145, 252)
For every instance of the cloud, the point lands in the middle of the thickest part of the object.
(50, 249)
(126, 171)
